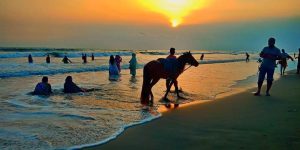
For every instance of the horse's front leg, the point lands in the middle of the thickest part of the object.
(151, 99)
(169, 85)
(176, 89)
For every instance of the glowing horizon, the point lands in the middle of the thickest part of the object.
(139, 23)
(174, 10)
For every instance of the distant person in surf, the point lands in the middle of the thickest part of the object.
(71, 87)
(133, 64)
(113, 69)
(84, 58)
(43, 88)
(93, 57)
(247, 57)
(30, 60)
(48, 59)
(298, 65)
(283, 61)
(66, 60)
(118, 60)
(269, 55)
(202, 56)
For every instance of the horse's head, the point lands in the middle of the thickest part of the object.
(188, 57)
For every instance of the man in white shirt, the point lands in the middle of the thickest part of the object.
(269, 55)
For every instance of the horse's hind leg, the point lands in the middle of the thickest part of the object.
(153, 82)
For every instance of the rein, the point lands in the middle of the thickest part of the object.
(187, 68)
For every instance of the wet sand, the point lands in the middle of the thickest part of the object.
(240, 121)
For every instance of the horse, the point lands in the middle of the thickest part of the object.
(154, 70)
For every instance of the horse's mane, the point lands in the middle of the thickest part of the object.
(184, 54)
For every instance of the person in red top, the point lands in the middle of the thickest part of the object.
(172, 53)
(171, 56)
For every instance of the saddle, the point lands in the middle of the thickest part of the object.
(170, 65)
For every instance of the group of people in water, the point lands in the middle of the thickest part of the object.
(115, 66)
(44, 87)
(65, 60)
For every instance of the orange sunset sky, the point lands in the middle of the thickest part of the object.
(149, 24)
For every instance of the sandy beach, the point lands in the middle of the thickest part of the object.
(240, 121)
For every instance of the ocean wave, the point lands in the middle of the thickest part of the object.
(119, 132)
(39, 69)
(62, 54)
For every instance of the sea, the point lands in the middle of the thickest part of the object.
(71, 121)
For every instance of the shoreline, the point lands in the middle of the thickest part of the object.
(190, 108)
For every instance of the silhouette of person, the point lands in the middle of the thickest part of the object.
(30, 60)
(133, 64)
(171, 66)
(283, 61)
(202, 56)
(298, 65)
(113, 69)
(247, 57)
(43, 88)
(269, 55)
(66, 60)
(118, 60)
(48, 59)
(71, 87)
(93, 57)
(84, 58)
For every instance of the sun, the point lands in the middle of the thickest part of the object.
(174, 10)
(175, 23)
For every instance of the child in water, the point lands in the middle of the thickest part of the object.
(133, 64)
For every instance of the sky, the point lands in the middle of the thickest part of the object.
(150, 24)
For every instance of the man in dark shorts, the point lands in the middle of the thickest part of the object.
(171, 66)
(269, 55)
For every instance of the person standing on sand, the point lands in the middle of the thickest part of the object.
(48, 59)
(269, 55)
(283, 61)
(247, 57)
(30, 60)
(133, 64)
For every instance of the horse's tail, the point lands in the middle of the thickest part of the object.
(145, 88)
